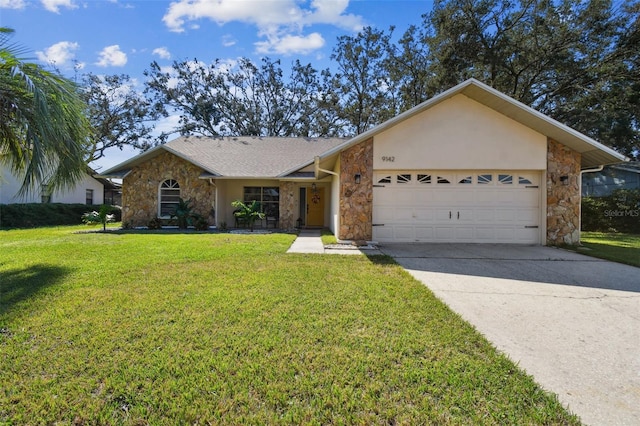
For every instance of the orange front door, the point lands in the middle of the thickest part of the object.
(315, 207)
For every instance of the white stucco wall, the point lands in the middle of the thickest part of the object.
(457, 134)
(77, 194)
(230, 190)
(10, 185)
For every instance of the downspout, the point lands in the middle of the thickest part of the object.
(215, 201)
(597, 169)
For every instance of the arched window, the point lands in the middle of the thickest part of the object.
(169, 197)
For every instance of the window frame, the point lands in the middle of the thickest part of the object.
(268, 205)
(172, 185)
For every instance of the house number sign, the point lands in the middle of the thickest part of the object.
(388, 159)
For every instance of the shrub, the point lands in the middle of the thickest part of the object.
(155, 223)
(99, 217)
(36, 215)
(618, 212)
(200, 223)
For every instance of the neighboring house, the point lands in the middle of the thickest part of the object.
(89, 190)
(600, 183)
(469, 165)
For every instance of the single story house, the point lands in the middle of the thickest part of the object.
(89, 190)
(603, 181)
(469, 165)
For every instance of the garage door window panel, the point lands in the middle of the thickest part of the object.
(505, 179)
(403, 179)
(485, 179)
(424, 179)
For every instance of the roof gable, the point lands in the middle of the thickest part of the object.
(592, 152)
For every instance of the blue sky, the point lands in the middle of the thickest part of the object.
(125, 36)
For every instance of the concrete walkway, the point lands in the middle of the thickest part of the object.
(309, 241)
(571, 321)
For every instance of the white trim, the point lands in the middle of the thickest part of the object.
(159, 210)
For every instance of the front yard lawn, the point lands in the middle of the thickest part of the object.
(623, 248)
(226, 329)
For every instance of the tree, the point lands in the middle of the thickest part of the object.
(190, 89)
(242, 98)
(409, 66)
(570, 60)
(120, 116)
(43, 129)
(362, 83)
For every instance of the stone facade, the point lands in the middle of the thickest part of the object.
(287, 205)
(356, 199)
(141, 188)
(563, 194)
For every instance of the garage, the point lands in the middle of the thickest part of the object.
(470, 165)
(457, 206)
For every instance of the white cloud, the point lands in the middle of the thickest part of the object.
(281, 22)
(55, 5)
(228, 40)
(162, 52)
(112, 56)
(59, 54)
(12, 4)
(289, 44)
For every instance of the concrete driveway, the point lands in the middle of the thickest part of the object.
(571, 321)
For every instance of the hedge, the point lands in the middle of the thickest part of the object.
(35, 215)
(618, 212)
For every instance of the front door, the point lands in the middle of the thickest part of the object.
(315, 207)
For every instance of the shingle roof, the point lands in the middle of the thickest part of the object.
(246, 156)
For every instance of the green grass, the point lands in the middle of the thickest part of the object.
(171, 329)
(328, 237)
(623, 248)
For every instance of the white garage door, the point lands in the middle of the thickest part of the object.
(478, 207)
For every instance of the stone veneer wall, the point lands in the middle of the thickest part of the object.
(563, 200)
(356, 200)
(140, 189)
(287, 205)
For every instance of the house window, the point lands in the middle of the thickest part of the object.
(267, 196)
(89, 196)
(169, 197)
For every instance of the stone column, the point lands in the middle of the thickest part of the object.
(356, 199)
(563, 194)
(287, 205)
